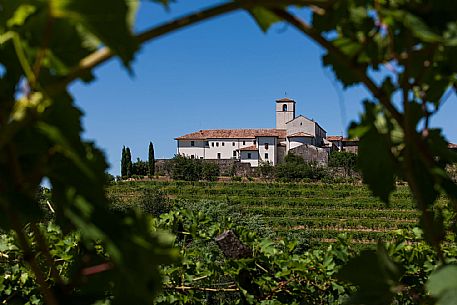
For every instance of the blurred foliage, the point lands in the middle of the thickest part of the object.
(46, 45)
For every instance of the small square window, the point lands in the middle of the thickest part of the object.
(249, 156)
(244, 142)
(206, 143)
(234, 153)
(254, 142)
(192, 156)
(233, 143)
(212, 144)
(223, 143)
(266, 145)
(192, 143)
(217, 144)
(218, 155)
(266, 155)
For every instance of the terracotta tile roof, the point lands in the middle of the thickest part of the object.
(452, 146)
(350, 140)
(249, 148)
(285, 99)
(334, 138)
(301, 134)
(233, 134)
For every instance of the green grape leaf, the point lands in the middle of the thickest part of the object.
(376, 159)
(376, 275)
(21, 14)
(346, 76)
(416, 25)
(112, 26)
(442, 285)
(264, 17)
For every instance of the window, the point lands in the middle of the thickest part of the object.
(284, 107)
(249, 155)
(192, 156)
(201, 158)
(266, 156)
(212, 144)
(206, 143)
(266, 145)
(234, 153)
(218, 155)
(223, 143)
(192, 143)
(254, 142)
(244, 142)
(233, 143)
(217, 144)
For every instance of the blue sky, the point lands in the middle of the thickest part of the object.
(223, 73)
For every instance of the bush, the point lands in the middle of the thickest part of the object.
(187, 169)
(210, 171)
(295, 168)
(140, 168)
(109, 178)
(154, 202)
(237, 178)
(266, 170)
(343, 159)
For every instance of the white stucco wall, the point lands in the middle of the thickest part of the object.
(185, 148)
(224, 147)
(298, 141)
(271, 150)
(301, 124)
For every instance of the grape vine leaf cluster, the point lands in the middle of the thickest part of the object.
(402, 51)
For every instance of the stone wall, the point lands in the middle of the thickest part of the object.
(311, 154)
(228, 167)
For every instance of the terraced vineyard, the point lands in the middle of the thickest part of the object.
(318, 212)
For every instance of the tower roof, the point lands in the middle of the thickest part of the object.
(284, 99)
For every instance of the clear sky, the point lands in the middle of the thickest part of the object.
(223, 73)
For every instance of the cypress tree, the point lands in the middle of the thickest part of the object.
(123, 163)
(151, 160)
(128, 161)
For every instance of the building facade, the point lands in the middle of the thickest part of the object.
(255, 146)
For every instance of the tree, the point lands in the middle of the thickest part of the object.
(140, 168)
(209, 171)
(343, 159)
(128, 162)
(151, 160)
(123, 163)
(187, 169)
(45, 46)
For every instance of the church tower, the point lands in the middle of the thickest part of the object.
(285, 112)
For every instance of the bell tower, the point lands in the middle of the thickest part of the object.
(285, 112)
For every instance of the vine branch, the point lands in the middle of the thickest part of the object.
(306, 29)
(102, 55)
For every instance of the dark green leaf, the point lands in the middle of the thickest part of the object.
(442, 285)
(376, 159)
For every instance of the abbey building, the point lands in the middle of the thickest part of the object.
(293, 133)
